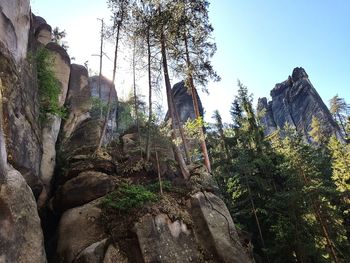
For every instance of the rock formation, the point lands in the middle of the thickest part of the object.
(50, 168)
(294, 102)
(183, 102)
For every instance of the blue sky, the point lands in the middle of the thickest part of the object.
(259, 42)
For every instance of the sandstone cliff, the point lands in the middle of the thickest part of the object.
(294, 102)
(54, 188)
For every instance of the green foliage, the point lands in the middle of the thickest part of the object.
(282, 190)
(127, 197)
(49, 87)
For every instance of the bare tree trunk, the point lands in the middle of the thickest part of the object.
(178, 155)
(110, 91)
(148, 142)
(196, 106)
(159, 177)
(100, 74)
(135, 96)
(3, 154)
(181, 130)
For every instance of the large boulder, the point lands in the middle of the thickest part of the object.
(14, 26)
(82, 189)
(42, 30)
(79, 228)
(21, 237)
(162, 240)
(294, 102)
(215, 229)
(78, 101)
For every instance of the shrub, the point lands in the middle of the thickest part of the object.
(126, 197)
(49, 87)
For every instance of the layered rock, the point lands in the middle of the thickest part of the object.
(294, 102)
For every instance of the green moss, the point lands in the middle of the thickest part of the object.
(126, 197)
(49, 87)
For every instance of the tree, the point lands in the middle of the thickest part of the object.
(120, 12)
(317, 132)
(58, 36)
(339, 109)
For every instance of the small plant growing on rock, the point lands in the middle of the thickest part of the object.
(126, 197)
(49, 87)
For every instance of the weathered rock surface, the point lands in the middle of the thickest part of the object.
(215, 229)
(21, 237)
(78, 101)
(78, 229)
(183, 102)
(295, 101)
(106, 87)
(82, 189)
(93, 253)
(114, 254)
(14, 26)
(42, 31)
(51, 128)
(20, 116)
(162, 240)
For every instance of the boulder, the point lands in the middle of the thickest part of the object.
(93, 253)
(162, 240)
(78, 101)
(294, 102)
(78, 229)
(215, 230)
(82, 189)
(42, 31)
(114, 254)
(21, 237)
(14, 27)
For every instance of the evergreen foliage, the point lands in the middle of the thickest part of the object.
(293, 197)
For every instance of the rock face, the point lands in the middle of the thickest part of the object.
(21, 237)
(14, 27)
(106, 86)
(183, 102)
(78, 100)
(294, 102)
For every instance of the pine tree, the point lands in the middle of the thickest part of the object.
(339, 110)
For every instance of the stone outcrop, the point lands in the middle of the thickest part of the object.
(51, 127)
(21, 237)
(183, 102)
(15, 19)
(42, 31)
(294, 102)
(78, 100)
(79, 228)
(106, 87)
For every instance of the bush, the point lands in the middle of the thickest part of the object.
(49, 87)
(127, 197)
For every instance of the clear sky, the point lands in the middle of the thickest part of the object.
(259, 42)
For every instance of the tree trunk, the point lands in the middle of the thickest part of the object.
(177, 151)
(135, 97)
(196, 106)
(3, 154)
(181, 130)
(159, 177)
(110, 91)
(100, 74)
(148, 142)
